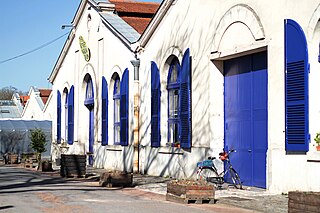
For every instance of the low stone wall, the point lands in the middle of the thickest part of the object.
(304, 202)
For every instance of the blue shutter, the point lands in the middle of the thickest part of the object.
(71, 116)
(296, 88)
(58, 117)
(124, 108)
(155, 105)
(185, 101)
(104, 112)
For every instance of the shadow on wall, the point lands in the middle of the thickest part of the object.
(181, 36)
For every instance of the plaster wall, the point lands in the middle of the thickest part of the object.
(221, 31)
(108, 55)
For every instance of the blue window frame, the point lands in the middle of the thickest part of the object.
(104, 116)
(71, 116)
(296, 88)
(66, 96)
(179, 102)
(155, 105)
(124, 108)
(173, 87)
(58, 117)
(116, 110)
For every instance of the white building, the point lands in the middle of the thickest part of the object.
(213, 75)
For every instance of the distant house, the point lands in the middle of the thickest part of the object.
(10, 109)
(35, 105)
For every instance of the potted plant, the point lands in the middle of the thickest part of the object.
(38, 143)
(317, 140)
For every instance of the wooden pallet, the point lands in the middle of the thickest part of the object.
(189, 200)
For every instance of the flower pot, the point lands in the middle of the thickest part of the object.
(318, 148)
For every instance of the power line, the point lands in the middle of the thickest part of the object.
(33, 50)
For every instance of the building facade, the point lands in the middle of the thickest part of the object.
(212, 76)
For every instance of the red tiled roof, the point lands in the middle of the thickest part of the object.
(24, 99)
(44, 94)
(139, 24)
(136, 14)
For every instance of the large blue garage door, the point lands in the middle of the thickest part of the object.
(246, 116)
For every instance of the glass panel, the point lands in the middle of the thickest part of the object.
(89, 89)
(117, 133)
(173, 133)
(117, 110)
(174, 73)
(173, 103)
(116, 89)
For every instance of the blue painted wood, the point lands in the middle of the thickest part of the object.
(155, 105)
(185, 101)
(124, 108)
(58, 117)
(91, 135)
(296, 88)
(104, 112)
(71, 116)
(246, 116)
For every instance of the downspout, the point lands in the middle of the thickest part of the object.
(136, 106)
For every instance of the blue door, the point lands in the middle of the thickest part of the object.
(246, 116)
(91, 135)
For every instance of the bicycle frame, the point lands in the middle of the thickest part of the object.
(219, 178)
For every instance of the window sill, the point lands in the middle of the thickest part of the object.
(313, 156)
(171, 150)
(117, 148)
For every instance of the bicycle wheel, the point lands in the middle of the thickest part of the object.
(207, 174)
(235, 179)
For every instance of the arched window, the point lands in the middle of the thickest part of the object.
(116, 110)
(179, 102)
(173, 102)
(65, 94)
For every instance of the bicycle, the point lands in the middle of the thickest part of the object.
(207, 171)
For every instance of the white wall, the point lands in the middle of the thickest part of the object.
(230, 28)
(108, 55)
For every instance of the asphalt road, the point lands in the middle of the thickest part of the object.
(23, 190)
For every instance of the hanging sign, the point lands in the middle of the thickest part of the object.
(84, 49)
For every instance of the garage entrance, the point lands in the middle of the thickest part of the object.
(246, 98)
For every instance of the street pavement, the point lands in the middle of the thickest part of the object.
(25, 190)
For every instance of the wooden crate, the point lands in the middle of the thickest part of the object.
(303, 201)
(73, 165)
(188, 191)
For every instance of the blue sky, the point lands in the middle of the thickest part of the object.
(26, 25)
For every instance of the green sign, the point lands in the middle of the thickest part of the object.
(84, 49)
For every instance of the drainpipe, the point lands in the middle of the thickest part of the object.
(136, 106)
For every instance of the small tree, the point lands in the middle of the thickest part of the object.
(38, 143)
